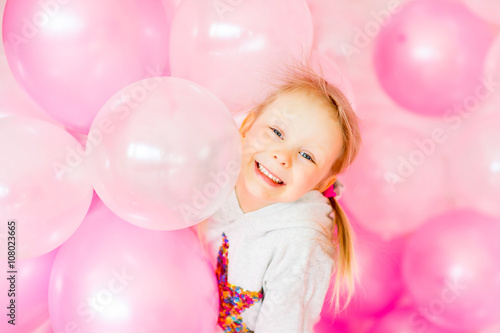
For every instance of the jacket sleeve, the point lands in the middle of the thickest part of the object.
(295, 285)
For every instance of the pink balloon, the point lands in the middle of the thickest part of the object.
(46, 327)
(30, 293)
(487, 9)
(380, 284)
(491, 329)
(71, 56)
(42, 189)
(492, 71)
(231, 47)
(340, 324)
(170, 7)
(164, 153)
(401, 321)
(380, 277)
(2, 7)
(379, 289)
(397, 181)
(112, 276)
(476, 160)
(451, 267)
(325, 325)
(14, 101)
(431, 55)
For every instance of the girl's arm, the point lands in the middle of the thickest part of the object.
(295, 285)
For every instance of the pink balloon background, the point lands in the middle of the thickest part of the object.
(460, 272)
(479, 170)
(492, 70)
(397, 321)
(106, 47)
(113, 276)
(387, 174)
(483, 8)
(46, 327)
(380, 262)
(459, 172)
(2, 7)
(88, 85)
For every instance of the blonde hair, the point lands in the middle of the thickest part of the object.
(299, 77)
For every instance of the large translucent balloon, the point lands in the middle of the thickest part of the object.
(231, 46)
(44, 191)
(398, 179)
(29, 289)
(164, 153)
(71, 56)
(476, 165)
(451, 267)
(112, 276)
(431, 54)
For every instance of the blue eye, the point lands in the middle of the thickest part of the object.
(278, 133)
(307, 157)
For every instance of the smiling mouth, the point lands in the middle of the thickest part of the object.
(269, 174)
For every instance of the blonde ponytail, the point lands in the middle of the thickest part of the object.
(346, 266)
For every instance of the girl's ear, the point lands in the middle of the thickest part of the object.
(326, 183)
(247, 123)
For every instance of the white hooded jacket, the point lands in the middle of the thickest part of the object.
(275, 249)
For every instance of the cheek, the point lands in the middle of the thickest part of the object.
(303, 174)
(255, 141)
(248, 147)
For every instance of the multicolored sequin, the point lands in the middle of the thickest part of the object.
(233, 299)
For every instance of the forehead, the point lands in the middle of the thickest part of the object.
(306, 119)
(300, 108)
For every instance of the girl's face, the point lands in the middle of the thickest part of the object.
(296, 140)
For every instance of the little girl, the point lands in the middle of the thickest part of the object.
(273, 243)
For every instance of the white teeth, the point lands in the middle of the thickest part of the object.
(264, 171)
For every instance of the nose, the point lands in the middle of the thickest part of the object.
(283, 158)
